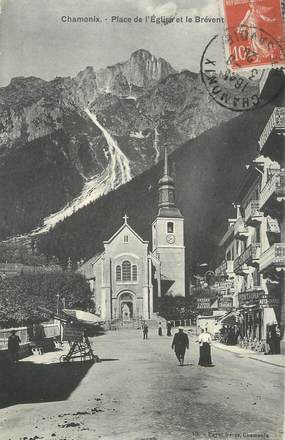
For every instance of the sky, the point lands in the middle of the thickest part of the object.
(35, 42)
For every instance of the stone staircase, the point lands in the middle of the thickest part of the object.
(154, 321)
(135, 323)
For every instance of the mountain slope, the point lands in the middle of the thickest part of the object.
(208, 171)
(52, 153)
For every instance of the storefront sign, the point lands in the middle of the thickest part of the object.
(72, 333)
(269, 301)
(252, 296)
(226, 303)
(203, 303)
(224, 287)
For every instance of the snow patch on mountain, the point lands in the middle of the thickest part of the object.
(117, 172)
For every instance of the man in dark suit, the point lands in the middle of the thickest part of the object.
(179, 344)
(13, 346)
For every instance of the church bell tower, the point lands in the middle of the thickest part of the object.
(168, 235)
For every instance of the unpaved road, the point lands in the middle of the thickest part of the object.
(138, 392)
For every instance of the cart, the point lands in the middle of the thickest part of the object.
(80, 348)
(78, 326)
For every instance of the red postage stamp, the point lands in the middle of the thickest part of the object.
(255, 34)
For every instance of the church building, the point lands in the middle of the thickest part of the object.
(123, 276)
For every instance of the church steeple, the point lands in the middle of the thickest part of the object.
(168, 237)
(165, 162)
(166, 189)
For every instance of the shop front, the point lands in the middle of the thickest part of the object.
(258, 316)
(229, 332)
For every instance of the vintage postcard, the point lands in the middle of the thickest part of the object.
(142, 238)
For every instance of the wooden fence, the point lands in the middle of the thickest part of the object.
(182, 322)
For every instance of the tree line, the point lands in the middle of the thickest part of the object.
(20, 296)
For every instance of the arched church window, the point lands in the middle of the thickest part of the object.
(134, 272)
(118, 273)
(170, 227)
(126, 269)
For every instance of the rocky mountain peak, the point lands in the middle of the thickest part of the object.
(70, 137)
(25, 79)
(142, 70)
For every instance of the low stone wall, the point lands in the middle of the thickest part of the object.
(30, 335)
(25, 350)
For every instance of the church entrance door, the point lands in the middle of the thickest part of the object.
(126, 306)
(127, 310)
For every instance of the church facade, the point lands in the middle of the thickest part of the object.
(122, 277)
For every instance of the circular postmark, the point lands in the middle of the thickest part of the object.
(234, 68)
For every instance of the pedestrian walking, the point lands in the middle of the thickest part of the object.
(159, 329)
(14, 346)
(179, 344)
(205, 349)
(273, 339)
(145, 331)
(168, 327)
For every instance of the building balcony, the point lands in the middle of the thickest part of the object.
(271, 141)
(273, 192)
(230, 267)
(252, 214)
(225, 269)
(273, 259)
(240, 268)
(221, 270)
(249, 257)
(240, 229)
(225, 287)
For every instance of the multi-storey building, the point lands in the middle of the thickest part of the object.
(224, 273)
(255, 241)
(271, 204)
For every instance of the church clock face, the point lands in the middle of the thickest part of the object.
(170, 238)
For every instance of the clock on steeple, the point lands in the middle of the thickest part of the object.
(168, 234)
(170, 238)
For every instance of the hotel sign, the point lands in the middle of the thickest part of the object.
(226, 303)
(250, 297)
(269, 301)
(203, 303)
(259, 298)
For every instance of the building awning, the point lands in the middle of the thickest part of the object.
(249, 306)
(229, 319)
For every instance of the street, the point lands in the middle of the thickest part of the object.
(138, 392)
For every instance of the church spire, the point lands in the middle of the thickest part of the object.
(166, 189)
(165, 162)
